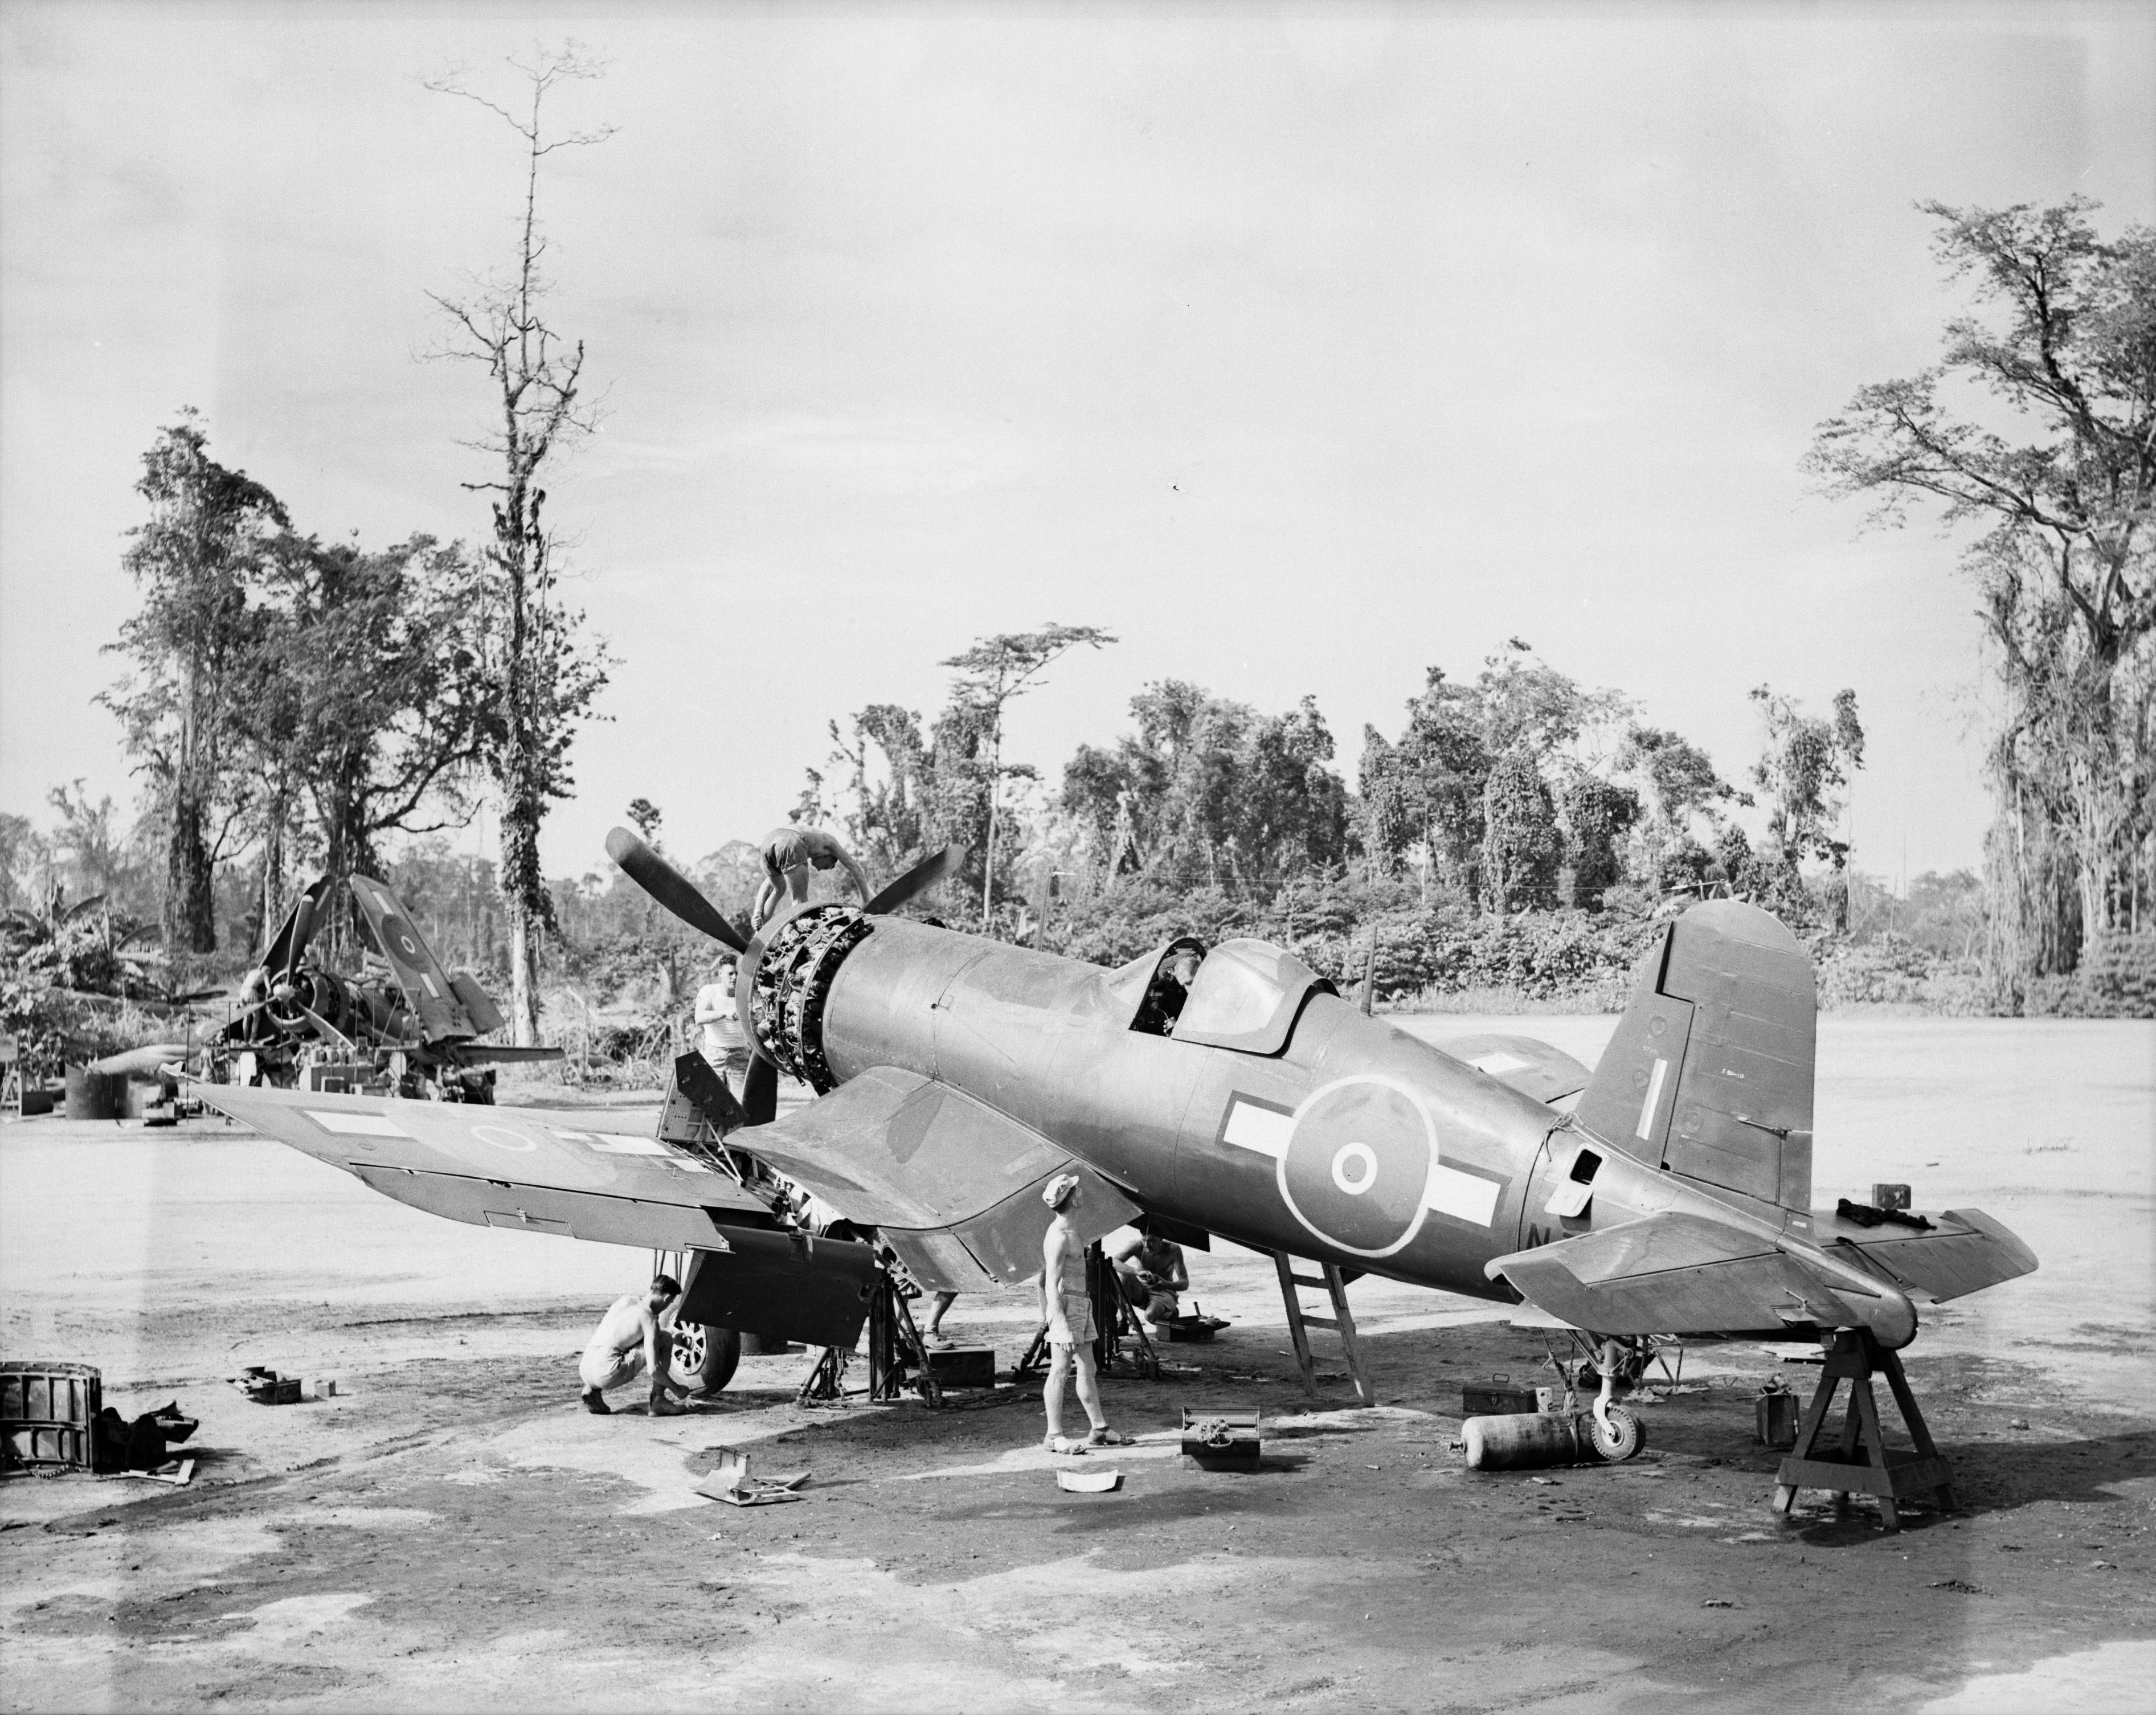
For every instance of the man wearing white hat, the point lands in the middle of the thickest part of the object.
(1067, 1309)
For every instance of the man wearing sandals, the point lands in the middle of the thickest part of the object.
(1067, 1309)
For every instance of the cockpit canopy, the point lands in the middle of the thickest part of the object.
(1245, 994)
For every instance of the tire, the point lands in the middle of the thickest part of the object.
(1629, 1436)
(704, 1357)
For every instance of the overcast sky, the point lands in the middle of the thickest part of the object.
(1304, 348)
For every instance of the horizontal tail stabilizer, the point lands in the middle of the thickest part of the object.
(1675, 1273)
(1965, 1251)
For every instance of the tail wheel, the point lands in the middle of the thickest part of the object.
(1623, 1437)
(704, 1356)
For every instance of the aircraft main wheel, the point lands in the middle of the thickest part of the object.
(1618, 1442)
(704, 1356)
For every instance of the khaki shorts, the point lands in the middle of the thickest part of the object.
(1071, 1324)
(603, 1370)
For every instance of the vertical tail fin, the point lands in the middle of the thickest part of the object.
(1709, 1073)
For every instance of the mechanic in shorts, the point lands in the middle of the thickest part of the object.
(1067, 1309)
(788, 855)
(628, 1341)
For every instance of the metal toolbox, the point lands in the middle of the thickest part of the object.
(1497, 1398)
(963, 1366)
(1224, 1437)
(49, 1413)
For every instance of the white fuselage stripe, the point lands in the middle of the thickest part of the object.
(1259, 1130)
(1463, 1196)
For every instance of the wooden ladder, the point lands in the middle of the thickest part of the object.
(1342, 1321)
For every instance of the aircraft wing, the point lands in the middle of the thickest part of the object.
(1532, 1068)
(543, 1170)
(537, 1169)
(952, 1184)
(1675, 1273)
(426, 985)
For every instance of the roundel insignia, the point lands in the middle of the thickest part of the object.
(1357, 1166)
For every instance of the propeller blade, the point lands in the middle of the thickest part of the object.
(759, 1097)
(303, 929)
(324, 1026)
(940, 866)
(671, 888)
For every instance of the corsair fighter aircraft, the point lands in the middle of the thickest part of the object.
(1668, 1191)
(416, 1034)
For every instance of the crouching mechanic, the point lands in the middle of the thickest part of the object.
(628, 1341)
(1150, 1271)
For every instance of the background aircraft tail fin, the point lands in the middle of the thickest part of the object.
(1709, 1073)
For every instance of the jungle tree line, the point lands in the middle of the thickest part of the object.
(1519, 790)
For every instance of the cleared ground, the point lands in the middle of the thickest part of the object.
(453, 1532)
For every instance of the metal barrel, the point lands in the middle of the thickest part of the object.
(1521, 1441)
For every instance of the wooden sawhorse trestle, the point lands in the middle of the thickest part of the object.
(1863, 1463)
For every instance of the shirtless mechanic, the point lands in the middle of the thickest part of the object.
(1067, 1309)
(788, 855)
(630, 1341)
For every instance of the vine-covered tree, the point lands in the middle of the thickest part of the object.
(545, 678)
(990, 673)
(375, 700)
(1598, 814)
(195, 647)
(1522, 844)
(1801, 773)
(2057, 475)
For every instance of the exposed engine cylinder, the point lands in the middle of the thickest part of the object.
(792, 981)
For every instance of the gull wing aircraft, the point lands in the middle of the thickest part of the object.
(1666, 1192)
(414, 1033)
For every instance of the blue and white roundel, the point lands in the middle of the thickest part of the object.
(1356, 1170)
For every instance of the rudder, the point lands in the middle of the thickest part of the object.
(1709, 1072)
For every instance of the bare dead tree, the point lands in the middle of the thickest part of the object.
(544, 678)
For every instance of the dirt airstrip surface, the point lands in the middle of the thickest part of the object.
(452, 1532)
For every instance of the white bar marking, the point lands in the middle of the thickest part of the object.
(619, 1143)
(1497, 1064)
(1259, 1129)
(1463, 1196)
(1654, 1100)
(356, 1124)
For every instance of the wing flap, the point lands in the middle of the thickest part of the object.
(539, 1209)
(952, 1184)
(893, 1148)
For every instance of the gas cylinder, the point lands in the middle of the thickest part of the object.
(1523, 1440)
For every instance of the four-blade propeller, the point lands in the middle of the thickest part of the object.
(681, 895)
